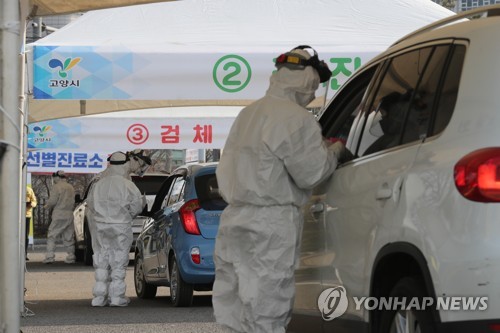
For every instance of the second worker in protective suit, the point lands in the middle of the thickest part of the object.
(274, 155)
(114, 201)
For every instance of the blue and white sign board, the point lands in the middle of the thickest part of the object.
(119, 73)
(69, 161)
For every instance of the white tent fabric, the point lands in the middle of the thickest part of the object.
(57, 7)
(206, 52)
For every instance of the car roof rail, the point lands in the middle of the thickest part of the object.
(485, 11)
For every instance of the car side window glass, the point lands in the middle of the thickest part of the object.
(342, 117)
(449, 92)
(176, 192)
(387, 112)
(420, 112)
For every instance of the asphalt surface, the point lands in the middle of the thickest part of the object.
(58, 296)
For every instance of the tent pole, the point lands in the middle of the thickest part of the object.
(10, 133)
(23, 115)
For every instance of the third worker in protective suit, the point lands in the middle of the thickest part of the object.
(62, 202)
(114, 201)
(274, 155)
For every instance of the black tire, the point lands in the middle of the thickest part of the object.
(88, 252)
(181, 293)
(142, 288)
(422, 321)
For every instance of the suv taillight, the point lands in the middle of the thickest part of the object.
(477, 175)
(188, 217)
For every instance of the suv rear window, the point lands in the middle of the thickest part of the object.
(208, 193)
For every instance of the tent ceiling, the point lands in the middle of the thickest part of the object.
(56, 7)
(70, 108)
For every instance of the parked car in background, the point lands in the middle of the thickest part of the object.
(416, 213)
(148, 184)
(176, 245)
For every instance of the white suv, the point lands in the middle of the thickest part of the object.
(416, 212)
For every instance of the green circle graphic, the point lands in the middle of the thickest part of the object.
(229, 83)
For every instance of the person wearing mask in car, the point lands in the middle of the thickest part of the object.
(114, 201)
(61, 202)
(274, 155)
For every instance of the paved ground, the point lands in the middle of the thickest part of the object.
(58, 300)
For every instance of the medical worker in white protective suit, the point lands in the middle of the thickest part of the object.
(114, 201)
(61, 202)
(138, 165)
(274, 155)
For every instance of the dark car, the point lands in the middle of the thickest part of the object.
(176, 245)
(148, 184)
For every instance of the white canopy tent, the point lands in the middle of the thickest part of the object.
(205, 52)
(138, 44)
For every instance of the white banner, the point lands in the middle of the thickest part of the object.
(135, 73)
(102, 134)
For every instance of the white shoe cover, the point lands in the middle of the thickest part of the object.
(120, 301)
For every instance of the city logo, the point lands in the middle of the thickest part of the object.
(332, 303)
(43, 134)
(64, 67)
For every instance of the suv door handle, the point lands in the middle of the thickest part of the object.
(383, 193)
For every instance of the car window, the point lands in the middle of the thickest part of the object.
(448, 96)
(207, 191)
(420, 109)
(341, 116)
(176, 191)
(162, 194)
(387, 112)
(148, 184)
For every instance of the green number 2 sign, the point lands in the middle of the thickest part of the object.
(232, 73)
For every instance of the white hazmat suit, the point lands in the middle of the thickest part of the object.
(138, 165)
(114, 201)
(62, 203)
(273, 156)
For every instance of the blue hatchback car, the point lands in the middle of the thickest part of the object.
(176, 245)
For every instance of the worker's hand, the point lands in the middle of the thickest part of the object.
(341, 152)
(338, 149)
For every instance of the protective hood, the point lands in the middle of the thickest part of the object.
(297, 85)
(121, 169)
